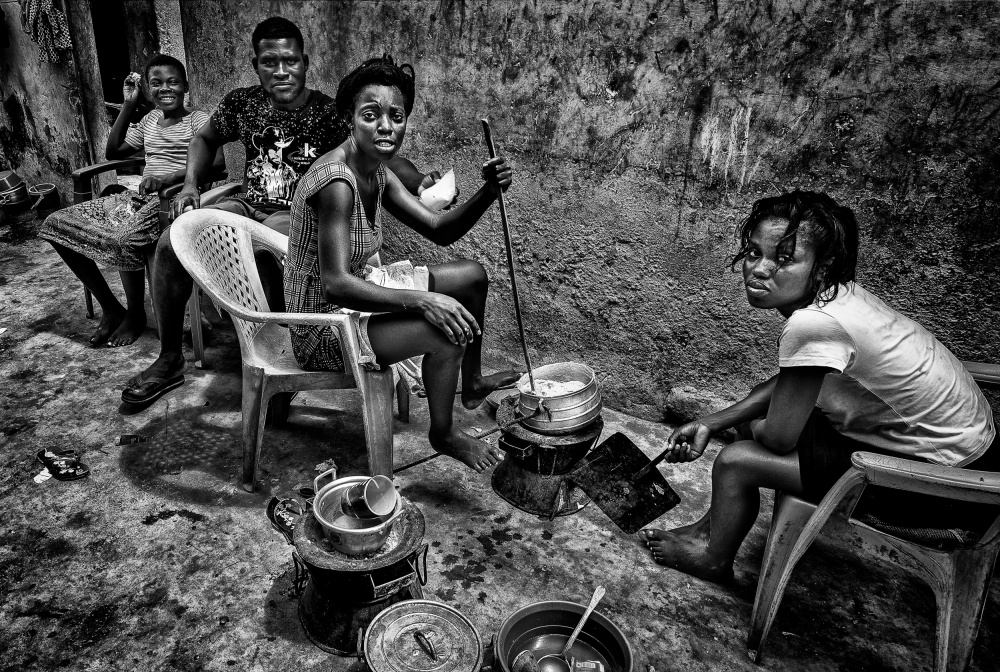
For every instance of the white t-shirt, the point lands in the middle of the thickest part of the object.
(896, 386)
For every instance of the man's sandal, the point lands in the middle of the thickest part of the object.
(141, 392)
(64, 465)
(284, 514)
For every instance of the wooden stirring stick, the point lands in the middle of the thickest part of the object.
(510, 260)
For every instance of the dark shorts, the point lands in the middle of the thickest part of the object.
(274, 217)
(825, 456)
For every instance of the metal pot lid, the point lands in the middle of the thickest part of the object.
(422, 636)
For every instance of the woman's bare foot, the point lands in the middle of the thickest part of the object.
(686, 553)
(467, 450)
(128, 331)
(109, 322)
(475, 394)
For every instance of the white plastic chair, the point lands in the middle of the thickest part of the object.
(959, 577)
(217, 249)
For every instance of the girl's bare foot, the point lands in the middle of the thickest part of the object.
(128, 331)
(688, 554)
(473, 395)
(700, 529)
(109, 322)
(467, 450)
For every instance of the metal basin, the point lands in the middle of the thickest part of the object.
(544, 627)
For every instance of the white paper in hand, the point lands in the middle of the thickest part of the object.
(441, 194)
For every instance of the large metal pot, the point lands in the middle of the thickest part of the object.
(544, 627)
(563, 413)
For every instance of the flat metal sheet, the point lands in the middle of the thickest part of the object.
(605, 474)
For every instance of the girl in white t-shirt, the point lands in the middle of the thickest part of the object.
(854, 374)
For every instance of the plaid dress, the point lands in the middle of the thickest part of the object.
(317, 348)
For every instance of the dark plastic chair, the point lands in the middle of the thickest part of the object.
(83, 190)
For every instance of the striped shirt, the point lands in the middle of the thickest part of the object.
(166, 147)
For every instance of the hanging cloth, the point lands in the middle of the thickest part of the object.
(47, 27)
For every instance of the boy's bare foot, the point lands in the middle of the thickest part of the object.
(467, 450)
(688, 554)
(128, 331)
(109, 322)
(475, 394)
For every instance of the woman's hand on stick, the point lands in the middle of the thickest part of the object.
(451, 317)
(688, 442)
(498, 174)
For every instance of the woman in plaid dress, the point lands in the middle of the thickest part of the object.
(337, 225)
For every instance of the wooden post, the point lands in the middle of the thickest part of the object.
(143, 36)
(88, 76)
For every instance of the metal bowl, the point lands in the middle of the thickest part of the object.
(564, 413)
(544, 627)
(347, 534)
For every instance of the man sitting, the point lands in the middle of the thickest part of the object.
(284, 126)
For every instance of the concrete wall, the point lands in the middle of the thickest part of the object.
(53, 118)
(43, 132)
(643, 130)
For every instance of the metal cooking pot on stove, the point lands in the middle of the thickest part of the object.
(562, 413)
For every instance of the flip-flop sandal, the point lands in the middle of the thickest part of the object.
(284, 514)
(64, 465)
(146, 391)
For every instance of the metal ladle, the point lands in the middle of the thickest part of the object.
(557, 662)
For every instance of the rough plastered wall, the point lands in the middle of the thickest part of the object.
(43, 135)
(642, 131)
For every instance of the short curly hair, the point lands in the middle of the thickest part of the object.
(381, 70)
(832, 229)
(169, 61)
(276, 28)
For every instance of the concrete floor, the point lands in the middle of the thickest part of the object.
(159, 561)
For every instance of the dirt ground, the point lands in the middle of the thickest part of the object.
(160, 561)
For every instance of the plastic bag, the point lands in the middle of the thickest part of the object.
(441, 194)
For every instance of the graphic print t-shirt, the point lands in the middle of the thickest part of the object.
(280, 144)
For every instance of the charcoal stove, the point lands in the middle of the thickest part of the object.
(344, 593)
(534, 473)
